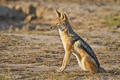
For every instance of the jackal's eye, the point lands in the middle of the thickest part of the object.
(57, 23)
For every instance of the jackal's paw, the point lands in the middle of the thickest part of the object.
(60, 69)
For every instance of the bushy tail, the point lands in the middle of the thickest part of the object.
(101, 70)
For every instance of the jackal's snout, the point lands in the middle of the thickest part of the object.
(51, 28)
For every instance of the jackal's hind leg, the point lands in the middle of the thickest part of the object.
(91, 64)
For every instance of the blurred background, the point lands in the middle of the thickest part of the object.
(38, 15)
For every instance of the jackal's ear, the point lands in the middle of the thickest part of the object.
(63, 16)
(58, 13)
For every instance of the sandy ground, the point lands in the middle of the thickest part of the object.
(25, 56)
(35, 55)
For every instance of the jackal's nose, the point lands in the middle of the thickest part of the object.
(50, 27)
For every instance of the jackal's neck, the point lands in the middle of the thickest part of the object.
(68, 31)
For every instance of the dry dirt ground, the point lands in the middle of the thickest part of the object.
(35, 55)
(32, 56)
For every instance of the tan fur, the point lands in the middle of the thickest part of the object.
(67, 46)
(91, 64)
(84, 60)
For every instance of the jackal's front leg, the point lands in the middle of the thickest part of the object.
(66, 59)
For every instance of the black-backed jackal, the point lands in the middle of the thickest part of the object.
(73, 44)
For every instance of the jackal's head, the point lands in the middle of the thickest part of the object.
(61, 21)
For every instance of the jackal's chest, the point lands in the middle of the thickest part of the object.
(65, 39)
